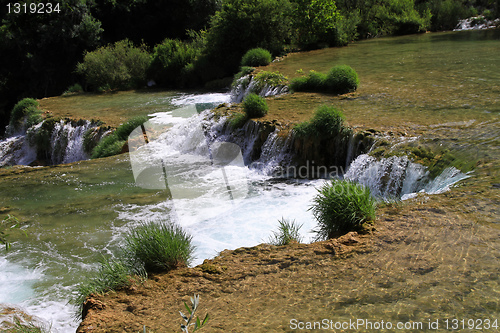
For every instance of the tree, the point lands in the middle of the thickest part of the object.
(241, 25)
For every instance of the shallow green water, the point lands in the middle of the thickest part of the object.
(71, 212)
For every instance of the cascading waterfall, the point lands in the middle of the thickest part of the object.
(398, 177)
(247, 84)
(65, 144)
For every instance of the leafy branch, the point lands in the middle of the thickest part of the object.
(191, 310)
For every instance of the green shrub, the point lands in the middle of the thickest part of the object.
(342, 79)
(241, 25)
(256, 57)
(117, 66)
(172, 60)
(76, 88)
(255, 106)
(113, 144)
(342, 206)
(326, 121)
(25, 109)
(288, 232)
(159, 247)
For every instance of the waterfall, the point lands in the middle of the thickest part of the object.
(247, 85)
(58, 142)
(398, 177)
(66, 142)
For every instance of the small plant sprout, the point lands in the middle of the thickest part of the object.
(9, 223)
(191, 310)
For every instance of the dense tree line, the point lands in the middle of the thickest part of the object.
(190, 42)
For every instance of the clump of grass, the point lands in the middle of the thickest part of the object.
(340, 79)
(342, 206)
(113, 274)
(288, 233)
(150, 248)
(26, 110)
(238, 120)
(326, 121)
(255, 106)
(159, 247)
(113, 143)
(313, 82)
(256, 57)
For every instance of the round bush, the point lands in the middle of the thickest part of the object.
(342, 79)
(256, 57)
(255, 106)
(342, 206)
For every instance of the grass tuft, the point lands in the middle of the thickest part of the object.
(326, 121)
(288, 233)
(342, 206)
(159, 247)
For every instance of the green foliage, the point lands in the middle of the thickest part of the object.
(170, 61)
(112, 274)
(342, 206)
(25, 110)
(238, 120)
(256, 57)
(255, 106)
(7, 225)
(392, 17)
(446, 14)
(159, 247)
(195, 302)
(340, 79)
(270, 78)
(108, 146)
(318, 23)
(148, 248)
(117, 66)
(326, 121)
(242, 25)
(113, 144)
(124, 130)
(314, 82)
(74, 89)
(288, 232)
(21, 326)
(244, 70)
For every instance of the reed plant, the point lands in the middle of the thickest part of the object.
(326, 121)
(342, 206)
(256, 57)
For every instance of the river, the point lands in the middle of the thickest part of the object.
(77, 212)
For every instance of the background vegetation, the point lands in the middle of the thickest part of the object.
(191, 42)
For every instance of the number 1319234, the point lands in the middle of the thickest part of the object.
(33, 8)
